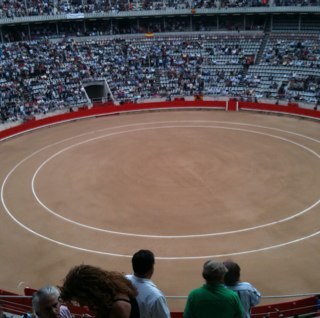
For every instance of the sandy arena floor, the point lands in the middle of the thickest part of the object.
(189, 185)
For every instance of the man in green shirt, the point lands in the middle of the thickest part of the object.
(213, 300)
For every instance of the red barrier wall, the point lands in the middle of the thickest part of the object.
(15, 305)
(232, 105)
(102, 110)
(288, 309)
(21, 305)
(107, 110)
(290, 109)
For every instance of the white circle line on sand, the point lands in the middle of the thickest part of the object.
(167, 236)
(123, 255)
(158, 257)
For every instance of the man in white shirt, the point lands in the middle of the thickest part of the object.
(152, 302)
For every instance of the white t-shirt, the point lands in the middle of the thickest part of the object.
(152, 302)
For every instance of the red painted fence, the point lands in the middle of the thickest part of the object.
(17, 304)
(107, 109)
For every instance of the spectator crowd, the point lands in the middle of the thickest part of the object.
(111, 294)
(21, 8)
(42, 76)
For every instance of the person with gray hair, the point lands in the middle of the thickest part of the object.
(213, 299)
(46, 303)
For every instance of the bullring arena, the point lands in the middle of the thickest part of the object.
(189, 185)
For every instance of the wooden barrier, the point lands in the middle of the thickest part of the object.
(107, 109)
(18, 305)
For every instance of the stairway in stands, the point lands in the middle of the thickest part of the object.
(262, 48)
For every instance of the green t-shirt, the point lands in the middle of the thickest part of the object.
(213, 301)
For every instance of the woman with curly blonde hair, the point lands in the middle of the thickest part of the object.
(107, 294)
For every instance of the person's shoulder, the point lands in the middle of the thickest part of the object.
(245, 285)
(197, 291)
(153, 289)
(240, 286)
(121, 307)
(230, 291)
(129, 276)
(136, 281)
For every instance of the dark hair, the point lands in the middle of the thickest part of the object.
(142, 262)
(96, 288)
(233, 274)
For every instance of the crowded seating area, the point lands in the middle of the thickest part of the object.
(21, 8)
(36, 78)
(289, 68)
(43, 75)
(46, 66)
